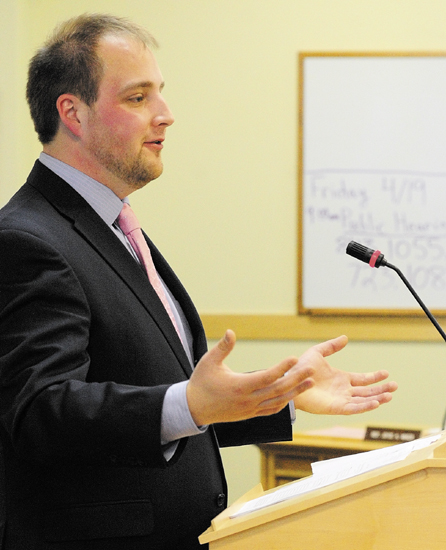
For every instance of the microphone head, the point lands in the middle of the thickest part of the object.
(372, 257)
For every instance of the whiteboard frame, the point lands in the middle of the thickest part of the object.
(347, 311)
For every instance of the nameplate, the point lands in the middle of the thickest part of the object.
(391, 435)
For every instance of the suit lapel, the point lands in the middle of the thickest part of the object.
(93, 229)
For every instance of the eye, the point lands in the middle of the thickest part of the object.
(136, 99)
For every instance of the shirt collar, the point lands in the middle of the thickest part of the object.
(101, 198)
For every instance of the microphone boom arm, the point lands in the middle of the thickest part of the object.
(375, 259)
(418, 299)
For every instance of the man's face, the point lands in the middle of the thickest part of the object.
(126, 126)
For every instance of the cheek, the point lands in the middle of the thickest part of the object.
(125, 127)
(120, 126)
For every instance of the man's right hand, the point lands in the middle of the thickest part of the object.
(217, 394)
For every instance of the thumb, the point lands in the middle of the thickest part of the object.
(332, 346)
(223, 348)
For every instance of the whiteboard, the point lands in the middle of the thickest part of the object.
(372, 168)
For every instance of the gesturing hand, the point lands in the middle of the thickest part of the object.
(217, 394)
(338, 392)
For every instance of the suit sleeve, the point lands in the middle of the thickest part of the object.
(48, 407)
(262, 429)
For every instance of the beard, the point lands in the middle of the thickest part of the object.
(134, 170)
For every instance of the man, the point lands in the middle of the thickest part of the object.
(111, 409)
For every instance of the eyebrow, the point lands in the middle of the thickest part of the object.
(144, 84)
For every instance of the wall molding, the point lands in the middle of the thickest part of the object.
(300, 327)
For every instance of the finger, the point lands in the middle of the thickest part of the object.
(276, 404)
(331, 346)
(371, 391)
(272, 382)
(359, 408)
(384, 397)
(223, 348)
(287, 387)
(367, 378)
(381, 398)
(258, 380)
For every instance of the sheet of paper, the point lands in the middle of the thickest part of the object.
(356, 464)
(333, 470)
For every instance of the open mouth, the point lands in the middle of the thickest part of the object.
(156, 141)
(155, 144)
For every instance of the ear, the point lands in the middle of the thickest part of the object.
(70, 107)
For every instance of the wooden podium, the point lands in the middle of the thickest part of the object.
(401, 506)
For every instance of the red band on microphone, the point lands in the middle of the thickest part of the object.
(374, 257)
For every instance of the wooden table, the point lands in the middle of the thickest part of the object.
(290, 460)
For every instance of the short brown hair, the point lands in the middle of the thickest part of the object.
(68, 63)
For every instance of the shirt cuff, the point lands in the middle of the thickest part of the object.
(292, 412)
(176, 420)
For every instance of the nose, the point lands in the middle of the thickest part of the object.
(164, 116)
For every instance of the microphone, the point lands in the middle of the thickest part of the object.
(376, 259)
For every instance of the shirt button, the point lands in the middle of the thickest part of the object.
(221, 499)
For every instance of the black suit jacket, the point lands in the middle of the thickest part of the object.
(87, 352)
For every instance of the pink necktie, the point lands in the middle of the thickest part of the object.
(129, 224)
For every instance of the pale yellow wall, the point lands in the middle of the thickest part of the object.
(230, 180)
(9, 106)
